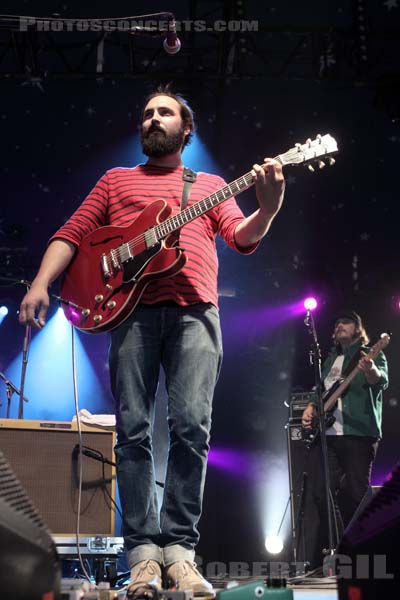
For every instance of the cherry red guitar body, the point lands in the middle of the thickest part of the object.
(97, 293)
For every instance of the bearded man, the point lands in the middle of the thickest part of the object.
(176, 326)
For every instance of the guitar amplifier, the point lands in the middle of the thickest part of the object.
(297, 403)
(44, 457)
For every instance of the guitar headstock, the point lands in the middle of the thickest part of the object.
(384, 340)
(313, 151)
(379, 345)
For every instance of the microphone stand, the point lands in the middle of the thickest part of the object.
(25, 354)
(11, 388)
(315, 360)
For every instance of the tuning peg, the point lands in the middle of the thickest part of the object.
(298, 146)
(321, 164)
(308, 141)
(311, 168)
(331, 161)
(319, 138)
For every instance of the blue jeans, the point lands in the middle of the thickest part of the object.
(186, 341)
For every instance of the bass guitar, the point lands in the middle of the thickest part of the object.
(113, 265)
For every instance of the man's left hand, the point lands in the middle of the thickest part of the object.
(270, 186)
(370, 370)
(366, 364)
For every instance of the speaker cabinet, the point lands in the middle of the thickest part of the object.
(298, 464)
(44, 457)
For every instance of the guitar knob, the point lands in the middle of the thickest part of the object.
(321, 164)
(311, 168)
(331, 161)
(85, 312)
(111, 304)
(97, 318)
(99, 297)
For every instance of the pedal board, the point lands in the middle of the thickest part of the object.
(89, 546)
(76, 589)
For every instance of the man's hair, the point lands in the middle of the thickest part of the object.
(186, 111)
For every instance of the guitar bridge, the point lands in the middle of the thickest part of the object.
(114, 260)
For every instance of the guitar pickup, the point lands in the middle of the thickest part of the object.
(125, 252)
(150, 238)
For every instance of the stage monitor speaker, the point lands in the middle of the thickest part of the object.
(43, 455)
(298, 480)
(367, 562)
(29, 565)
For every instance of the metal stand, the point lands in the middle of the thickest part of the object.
(11, 388)
(25, 354)
(315, 360)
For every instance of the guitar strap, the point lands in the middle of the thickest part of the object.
(352, 364)
(189, 177)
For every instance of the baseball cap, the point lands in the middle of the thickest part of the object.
(351, 315)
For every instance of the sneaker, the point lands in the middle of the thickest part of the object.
(183, 575)
(146, 579)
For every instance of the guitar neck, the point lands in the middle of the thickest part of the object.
(202, 206)
(320, 147)
(330, 403)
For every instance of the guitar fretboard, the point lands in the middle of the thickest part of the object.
(199, 208)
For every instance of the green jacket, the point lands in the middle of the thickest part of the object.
(362, 402)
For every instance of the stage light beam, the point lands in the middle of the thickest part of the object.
(3, 313)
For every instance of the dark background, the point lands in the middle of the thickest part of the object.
(310, 68)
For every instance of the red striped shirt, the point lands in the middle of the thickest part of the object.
(122, 193)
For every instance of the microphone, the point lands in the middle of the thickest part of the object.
(172, 43)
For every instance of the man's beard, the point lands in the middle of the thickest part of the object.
(157, 143)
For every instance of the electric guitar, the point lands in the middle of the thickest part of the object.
(331, 396)
(113, 265)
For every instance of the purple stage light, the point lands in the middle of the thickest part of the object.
(238, 463)
(310, 303)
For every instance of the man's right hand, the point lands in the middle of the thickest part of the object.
(308, 416)
(34, 306)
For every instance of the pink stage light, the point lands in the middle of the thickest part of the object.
(310, 303)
